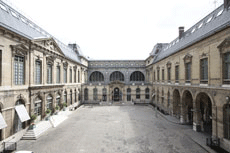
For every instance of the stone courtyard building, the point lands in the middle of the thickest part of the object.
(188, 78)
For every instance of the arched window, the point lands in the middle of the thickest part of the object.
(38, 106)
(49, 100)
(86, 94)
(95, 94)
(147, 93)
(128, 94)
(71, 99)
(138, 91)
(65, 97)
(104, 96)
(58, 102)
(137, 76)
(96, 77)
(227, 121)
(117, 76)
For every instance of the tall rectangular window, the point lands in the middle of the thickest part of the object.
(169, 74)
(75, 79)
(19, 70)
(204, 70)
(49, 73)
(158, 75)
(70, 75)
(58, 76)
(226, 69)
(163, 74)
(78, 74)
(65, 75)
(177, 73)
(38, 72)
(154, 76)
(188, 72)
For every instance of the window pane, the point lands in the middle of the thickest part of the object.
(18, 70)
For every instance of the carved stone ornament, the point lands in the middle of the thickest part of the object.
(224, 45)
(20, 49)
(168, 64)
(158, 68)
(65, 64)
(188, 58)
(75, 67)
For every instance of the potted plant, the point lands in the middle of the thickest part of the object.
(33, 118)
(48, 112)
(64, 106)
(57, 108)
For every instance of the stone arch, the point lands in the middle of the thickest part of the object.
(117, 76)
(96, 76)
(187, 106)
(137, 76)
(208, 94)
(176, 103)
(203, 105)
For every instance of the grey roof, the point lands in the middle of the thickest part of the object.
(16, 22)
(212, 23)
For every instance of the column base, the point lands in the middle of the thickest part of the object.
(196, 127)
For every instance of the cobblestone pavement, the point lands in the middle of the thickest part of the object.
(113, 129)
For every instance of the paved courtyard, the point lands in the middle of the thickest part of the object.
(112, 129)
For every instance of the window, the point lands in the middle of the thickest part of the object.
(49, 101)
(104, 96)
(177, 73)
(19, 70)
(158, 74)
(147, 93)
(38, 72)
(65, 97)
(86, 94)
(227, 121)
(58, 98)
(117, 76)
(96, 77)
(49, 73)
(70, 75)
(38, 106)
(204, 70)
(169, 74)
(75, 79)
(71, 99)
(58, 77)
(75, 96)
(137, 76)
(226, 69)
(163, 74)
(128, 94)
(95, 94)
(154, 76)
(188, 72)
(65, 75)
(138, 96)
(78, 79)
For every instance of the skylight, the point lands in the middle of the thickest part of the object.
(3, 7)
(219, 13)
(200, 25)
(23, 20)
(193, 30)
(14, 14)
(209, 19)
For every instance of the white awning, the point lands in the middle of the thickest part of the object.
(22, 113)
(2, 122)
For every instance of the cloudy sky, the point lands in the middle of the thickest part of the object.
(115, 29)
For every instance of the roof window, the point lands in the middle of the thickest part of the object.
(23, 20)
(3, 7)
(14, 14)
(31, 25)
(220, 12)
(200, 25)
(193, 30)
(209, 19)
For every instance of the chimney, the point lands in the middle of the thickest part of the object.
(181, 32)
(226, 4)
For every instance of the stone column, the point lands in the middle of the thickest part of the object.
(196, 117)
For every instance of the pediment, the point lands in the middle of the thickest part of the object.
(49, 44)
(188, 58)
(224, 45)
(20, 49)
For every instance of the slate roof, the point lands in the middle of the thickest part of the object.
(18, 23)
(216, 21)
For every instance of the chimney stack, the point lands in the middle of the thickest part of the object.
(181, 32)
(226, 4)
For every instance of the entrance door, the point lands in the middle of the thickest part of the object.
(116, 94)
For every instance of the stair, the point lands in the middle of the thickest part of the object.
(33, 134)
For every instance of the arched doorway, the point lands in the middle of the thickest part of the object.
(204, 115)
(187, 107)
(176, 103)
(104, 94)
(116, 94)
(18, 125)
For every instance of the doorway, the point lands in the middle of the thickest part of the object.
(116, 94)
